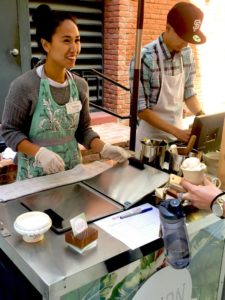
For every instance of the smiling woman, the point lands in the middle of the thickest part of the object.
(58, 37)
(46, 111)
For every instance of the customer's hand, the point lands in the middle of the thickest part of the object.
(114, 152)
(49, 161)
(200, 196)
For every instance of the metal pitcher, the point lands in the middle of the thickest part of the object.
(153, 152)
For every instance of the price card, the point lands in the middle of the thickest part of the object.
(78, 224)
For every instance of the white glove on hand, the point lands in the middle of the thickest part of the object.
(49, 161)
(114, 152)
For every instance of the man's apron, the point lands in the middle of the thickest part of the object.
(169, 106)
(53, 126)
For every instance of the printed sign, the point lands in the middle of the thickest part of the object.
(167, 284)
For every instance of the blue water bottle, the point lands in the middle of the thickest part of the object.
(174, 233)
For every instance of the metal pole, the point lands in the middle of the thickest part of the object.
(137, 64)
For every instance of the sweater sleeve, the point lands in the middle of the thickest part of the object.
(18, 110)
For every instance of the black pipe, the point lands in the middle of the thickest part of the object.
(110, 80)
(137, 64)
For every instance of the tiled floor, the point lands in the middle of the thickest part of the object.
(101, 117)
(110, 128)
(113, 133)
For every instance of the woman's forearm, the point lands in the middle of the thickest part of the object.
(28, 148)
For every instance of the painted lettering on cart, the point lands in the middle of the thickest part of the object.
(178, 294)
(167, 284)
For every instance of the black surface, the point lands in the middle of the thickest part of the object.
(130, 256)
(208, 130)
(56, 219)
(2, 146)
(136, 163)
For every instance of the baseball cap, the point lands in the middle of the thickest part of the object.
(186, 20)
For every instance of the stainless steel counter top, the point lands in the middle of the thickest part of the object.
(55, 269)
(126, 184)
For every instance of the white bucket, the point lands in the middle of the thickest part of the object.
(211, 159)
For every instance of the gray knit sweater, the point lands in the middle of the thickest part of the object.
(22, 99)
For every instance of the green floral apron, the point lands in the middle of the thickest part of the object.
(53, 126)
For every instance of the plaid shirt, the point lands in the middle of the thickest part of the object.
(150, 73)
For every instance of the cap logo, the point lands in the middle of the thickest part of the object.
(197, 25)
(196, 38)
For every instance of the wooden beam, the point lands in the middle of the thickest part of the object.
(221, 168)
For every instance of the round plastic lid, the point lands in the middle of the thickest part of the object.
(32, 223)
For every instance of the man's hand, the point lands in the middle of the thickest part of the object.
(156, 121)
(49, 161)
(183, 135)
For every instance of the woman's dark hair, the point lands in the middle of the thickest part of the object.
(46, 21)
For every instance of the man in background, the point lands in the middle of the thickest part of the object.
(167, 76)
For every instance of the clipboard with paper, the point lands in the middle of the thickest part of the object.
(140, 226)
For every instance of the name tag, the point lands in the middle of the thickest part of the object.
(73, 107)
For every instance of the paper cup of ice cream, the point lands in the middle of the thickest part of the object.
(32, 225)
(193, 170)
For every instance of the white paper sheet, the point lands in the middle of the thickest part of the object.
(136, 230)
(29, 186)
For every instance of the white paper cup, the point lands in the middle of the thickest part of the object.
(195, 177)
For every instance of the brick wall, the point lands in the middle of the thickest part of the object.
(119, 37)
(120, 17)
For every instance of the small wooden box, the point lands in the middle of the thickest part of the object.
(82, 239)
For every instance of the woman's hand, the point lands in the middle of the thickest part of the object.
(114, 152)
(49, 161)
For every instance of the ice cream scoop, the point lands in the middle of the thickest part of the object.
(193, 164)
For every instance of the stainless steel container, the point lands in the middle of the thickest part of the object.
(177, 162)
(153, 151)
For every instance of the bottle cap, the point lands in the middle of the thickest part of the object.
(171, 209)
